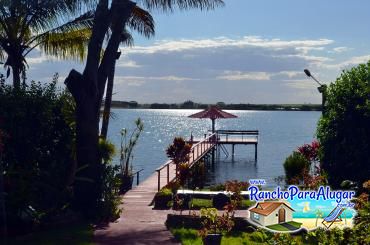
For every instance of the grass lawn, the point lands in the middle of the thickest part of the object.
(190, 237)
(79, 234)
(199, 203)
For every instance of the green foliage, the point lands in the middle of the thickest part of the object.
(163, 198)
(128, 143)
(187, 236)
(258, 236)
(325, 237)
(106, 150)
(220, 200)
(165, 192)
(198, 203)
(37, 158)
(218, 187)
(294, 166)
(76, 234)
(197, 176)
(213, 223)
(108, 207)
(344, 130)
(178, 151)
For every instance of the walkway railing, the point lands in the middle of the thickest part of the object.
(202, 147)
(137, 173)
(196, 153)
(239, 135)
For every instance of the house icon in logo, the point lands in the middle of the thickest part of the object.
(271, 213)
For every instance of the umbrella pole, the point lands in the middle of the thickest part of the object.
(213, 150)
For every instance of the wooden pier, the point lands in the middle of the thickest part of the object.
(197, 152)
(235, 137)
(201, 147)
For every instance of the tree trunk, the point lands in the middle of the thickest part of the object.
(107, 104)
(87, 89)
(87, 189)
(16, 72)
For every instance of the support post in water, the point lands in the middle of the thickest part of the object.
(255, 152)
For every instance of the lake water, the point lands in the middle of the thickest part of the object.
(281, 132)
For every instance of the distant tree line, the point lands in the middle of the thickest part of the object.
(241, 106)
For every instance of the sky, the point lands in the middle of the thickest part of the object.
(249, 51)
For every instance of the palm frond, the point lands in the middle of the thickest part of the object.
(170, 5)
(142, 21)
(68, 45)
(127, 38)
(81, 22)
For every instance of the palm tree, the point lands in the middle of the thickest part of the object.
(142, 22)
(87, 88)
(57, 27)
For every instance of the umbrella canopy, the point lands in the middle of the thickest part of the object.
(213, 113)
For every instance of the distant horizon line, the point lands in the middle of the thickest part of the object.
(210, 103)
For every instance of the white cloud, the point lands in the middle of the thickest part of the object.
(202, 70)
(247, 41)
(340, 50)
(127, 64)
(349, 62)
(162, 78)
(291, 74)
(304, 84)
(238, 75)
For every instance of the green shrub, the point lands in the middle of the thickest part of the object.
(106, 150)
(258, 236)
(344, 130)
(108, 207)
(218, 187)
(40, 168)
(37, 154)
(163, 198)
(220, 200)
(294, 166)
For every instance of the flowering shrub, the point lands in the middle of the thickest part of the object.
(214, 224)
(310, 151)
(313, 181)
(178, 151)
(236, 187)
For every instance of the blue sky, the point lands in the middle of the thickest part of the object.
(249, 51)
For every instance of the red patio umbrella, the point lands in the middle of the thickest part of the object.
(213, 113)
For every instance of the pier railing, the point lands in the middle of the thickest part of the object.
(239, 135)
(200, 148)
(197, 151)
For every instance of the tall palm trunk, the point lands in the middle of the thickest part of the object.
(87, 89)
(107, 103)
(16, 72)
